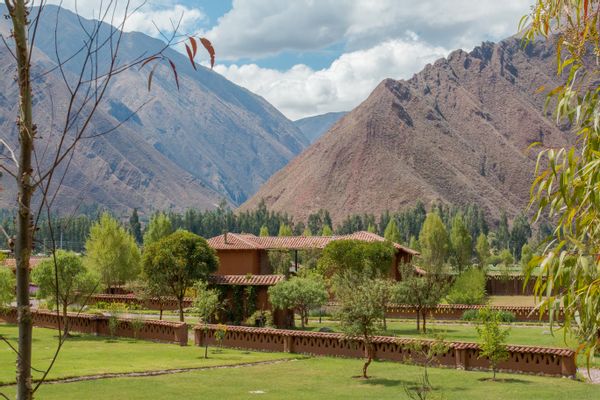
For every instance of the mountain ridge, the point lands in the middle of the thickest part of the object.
(456, 132)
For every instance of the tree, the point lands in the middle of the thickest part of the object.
(433, 240)
(326, 231)
(112, 253)
(492, 338)
(461, 241)
(284, 230)
(361, 312)
(371, 228)
(391, 232)
(178, 261)
(100, 61)
(356, 256)
(64, 280)
(503, 233)
(206, 304)
(519, 235)
(421, 292)
(135, 227)
(385, 291)
(483, 249)
(526, 257)
(468, 288)
(159, 227)
(300, 295)
(264, 231)
(7, 287)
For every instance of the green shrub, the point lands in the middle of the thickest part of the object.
(476, 315)
(468, 288)
(137, 324)
(506, 316)
(260, 318)
(470, 315)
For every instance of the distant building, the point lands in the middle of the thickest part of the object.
(243, 254)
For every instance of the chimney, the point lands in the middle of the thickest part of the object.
(225, 237)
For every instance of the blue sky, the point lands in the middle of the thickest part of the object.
(308, 57)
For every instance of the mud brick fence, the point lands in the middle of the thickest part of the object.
(460, 355)
(455, 312)
(159, 331)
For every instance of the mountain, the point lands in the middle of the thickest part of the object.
(314, 127)
(192, 147)
(456, 132)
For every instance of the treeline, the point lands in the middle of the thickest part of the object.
(71, 232)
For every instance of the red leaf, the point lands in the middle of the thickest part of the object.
(146, 61)
(150, 76)
(191, 57)
(194, 46)
(211, 50)
(174, 72)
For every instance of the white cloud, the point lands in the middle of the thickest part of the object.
(142, 16)
(257, 28)
(302, 91)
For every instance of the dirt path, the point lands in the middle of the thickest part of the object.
(593, 376)
(156, 372)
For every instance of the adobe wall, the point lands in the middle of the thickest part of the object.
(460, 355)
(160, 331)
(455, 311)
(238, 262)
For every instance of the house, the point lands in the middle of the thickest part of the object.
(244, 254)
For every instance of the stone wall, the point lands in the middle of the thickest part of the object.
(461, 355)
(160, 331)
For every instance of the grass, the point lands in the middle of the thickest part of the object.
(320, 378)
(88, 355)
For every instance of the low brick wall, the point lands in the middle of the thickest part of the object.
(131, 299)
(455, 311)
(160, 331)
(461, 355)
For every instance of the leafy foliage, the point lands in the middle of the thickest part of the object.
(492, 338)
(178, 261)
(300, 295)
(371, 258)
(433, 240)
(462, 243)
(112, 253)
(7, 287)
(468, 288)
(565, 188)
(159, 227)
(64, 282)
(361, 312)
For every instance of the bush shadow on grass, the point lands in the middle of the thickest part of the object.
(383, 381)
(505, 380)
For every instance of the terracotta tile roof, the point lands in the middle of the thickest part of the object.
(236, 241)
(248, 280)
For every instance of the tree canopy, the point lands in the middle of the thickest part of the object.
(178, 261)
(372, 258)
(112, 253)
(300, 294)
(159, 227)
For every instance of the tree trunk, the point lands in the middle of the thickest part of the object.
(161, 313)
(180, 300)
(369, 357)
(65, 320)
(418, 320)
(424, 313)
(384, 321)
(23, 239)
(302, 319)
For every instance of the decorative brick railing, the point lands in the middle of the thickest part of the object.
(461, 355)
(455, 311)
(150, 304)
(160, 331)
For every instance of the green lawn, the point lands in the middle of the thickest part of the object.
(87, 355)
(320, 378)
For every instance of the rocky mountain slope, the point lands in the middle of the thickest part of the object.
(184, 148)
(314, 127)
(456, 132)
